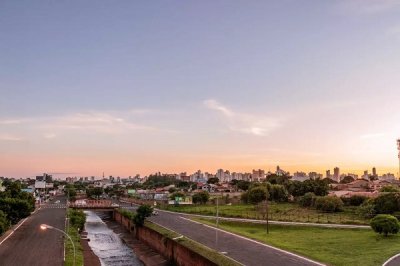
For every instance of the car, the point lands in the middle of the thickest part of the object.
(154, 212)
(115, 205)
(57, 201)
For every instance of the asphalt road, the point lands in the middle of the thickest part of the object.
(30, 246)
(241, 249)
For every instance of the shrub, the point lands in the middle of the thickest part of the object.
(328, 204)
(126, 213)
(389, 188)
(355, 200)
(176, 195)
(4, 223)
(385, 224)
(367, 209)
(77, 219)
(244, 197)
(307, 200)
(141, 214)
(387, 203)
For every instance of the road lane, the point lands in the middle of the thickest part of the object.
(30, 246)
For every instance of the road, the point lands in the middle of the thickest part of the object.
(243, 250)
(30, 246)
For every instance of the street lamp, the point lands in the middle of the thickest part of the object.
(46, 226)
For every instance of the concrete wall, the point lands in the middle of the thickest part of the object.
(169, 248)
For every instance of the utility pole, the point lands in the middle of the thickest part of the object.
(398, 148)
(217, 224)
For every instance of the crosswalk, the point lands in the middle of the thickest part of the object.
(54, 206)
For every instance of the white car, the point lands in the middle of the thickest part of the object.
(57, 202)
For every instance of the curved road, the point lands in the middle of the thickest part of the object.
(30, 246)
(241, 249)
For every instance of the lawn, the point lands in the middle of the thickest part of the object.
(289, 212)
(339, 247)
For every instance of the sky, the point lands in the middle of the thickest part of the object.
(137, 87)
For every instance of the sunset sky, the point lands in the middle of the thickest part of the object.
(130, 87)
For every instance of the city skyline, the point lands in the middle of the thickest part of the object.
(172, 87)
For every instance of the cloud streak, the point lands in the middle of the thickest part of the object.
(9, 137)
(244, 123)
(368, 7)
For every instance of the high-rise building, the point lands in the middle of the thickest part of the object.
(328, 173)
(336, 173)
(374, 171)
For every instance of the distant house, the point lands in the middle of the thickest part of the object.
(359, 185)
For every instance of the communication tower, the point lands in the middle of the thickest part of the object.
(398, 148)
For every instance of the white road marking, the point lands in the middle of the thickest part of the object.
(254, 241)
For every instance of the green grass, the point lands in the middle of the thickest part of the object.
(339, 247)
(69, 252)
(206, 252)
(289, 212)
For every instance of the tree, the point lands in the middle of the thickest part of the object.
(243, 185)
(257, 194)
(95, 192)
(201, 197)
(346, 180)
(328, 204)
(141, 214)
(355, 200)
(385, 224)
(213, 180)
(278, 193)
(176, 195)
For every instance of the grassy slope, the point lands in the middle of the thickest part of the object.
(332, 246)
(69, 252)
(278, 211)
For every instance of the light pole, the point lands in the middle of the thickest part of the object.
(46, 226)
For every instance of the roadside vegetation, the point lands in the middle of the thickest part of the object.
(14, 205)
(77, 219)
(339, 247)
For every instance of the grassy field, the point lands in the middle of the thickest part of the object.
(339, 247)
(289, 212)
(195, 246)
(69, 252)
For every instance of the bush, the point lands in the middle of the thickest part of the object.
(15, 208)
(4, 223)
(307, 200)
(354, 200)
(385, 224)
(329, 204)
(141, 214)
(389, 188)
(387, 203)
(77, 219)
(126, 213)
(176, 195)
(201, 197)
(367, 209)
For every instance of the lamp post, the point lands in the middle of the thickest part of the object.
(46, 226)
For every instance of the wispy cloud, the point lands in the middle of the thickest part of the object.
(9, 137)
(10, 121)
(96, 121)
(368, 7)
(372, 136)
(245, 123)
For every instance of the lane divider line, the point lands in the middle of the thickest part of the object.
(257, 242)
